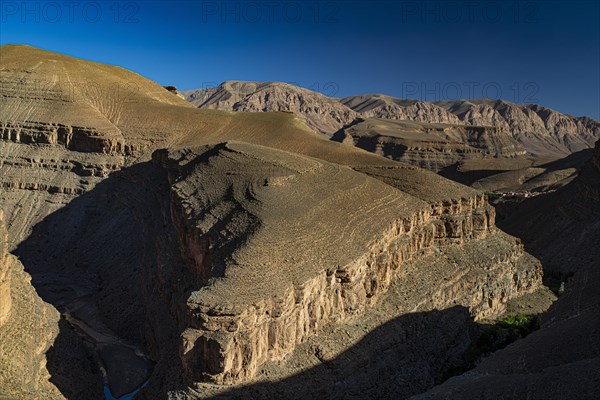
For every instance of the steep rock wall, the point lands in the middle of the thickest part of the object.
(74, 138)
(227, 346)
(28, 327)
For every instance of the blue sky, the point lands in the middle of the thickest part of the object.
(546, 52)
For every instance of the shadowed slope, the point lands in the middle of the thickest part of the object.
(562, 359)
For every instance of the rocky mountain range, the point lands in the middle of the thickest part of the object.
(543, 132)
(321, 113)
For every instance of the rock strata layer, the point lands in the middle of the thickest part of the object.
(430, 146)
(543, 132)
(275, 219)
(263, 288)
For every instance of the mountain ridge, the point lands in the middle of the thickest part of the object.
(544, 132)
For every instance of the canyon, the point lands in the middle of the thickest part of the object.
(188, 252)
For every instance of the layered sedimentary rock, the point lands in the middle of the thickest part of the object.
(28, 327)
(322, 113)
(409, 340)
(5, 298)
(542, 131)
(75, 138)
(265, 286)
(562, 358)
(430, 146)
(250, 228)
(387, 107)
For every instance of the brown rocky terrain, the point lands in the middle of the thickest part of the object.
(248, 315)
(430, 146)
(28, 327)
(501, 147)
(525, 175)
(387, 107)
(562, 358)
(543, 132)
(321, 113)
(203, 251)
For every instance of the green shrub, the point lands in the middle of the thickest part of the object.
(556, 281)
(494, 337)
(493, 196)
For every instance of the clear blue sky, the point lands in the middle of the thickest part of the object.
(546, 52)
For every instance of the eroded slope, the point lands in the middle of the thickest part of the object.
(284, 247)
(430, 146)
(562, 358)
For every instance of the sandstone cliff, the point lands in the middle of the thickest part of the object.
(562, 358)
(28, 327)
(262, 288)
(542, 131)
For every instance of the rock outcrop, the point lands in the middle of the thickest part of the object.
(543, 132)
(430, 146)
(262, 288)
(562, 358)
(387, 107)
(253, 247)
(28, 327)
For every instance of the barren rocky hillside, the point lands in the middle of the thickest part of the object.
(28, 327)
(543, 132)
(430, 146)
(321, 113)
(382, 106)
(194, 252)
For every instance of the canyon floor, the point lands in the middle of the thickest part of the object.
(267, 248)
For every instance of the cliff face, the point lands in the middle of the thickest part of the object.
(540, 130)
(74, 138)
(430, 146)
(562, 358)
(234, 232)
(381, 106)
(5, 298)
(28, 327)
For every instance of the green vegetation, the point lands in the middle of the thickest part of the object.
(493, 196)
(556, 281)
(518, 321)
(494, 337)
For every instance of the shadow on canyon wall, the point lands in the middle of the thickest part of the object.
(109, 261)
(101, 260)
(403, 357)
